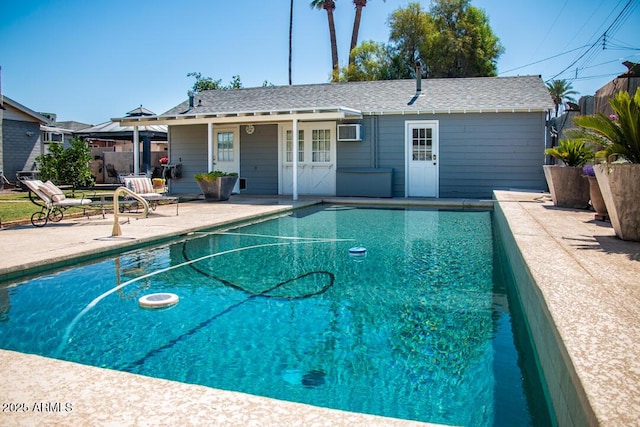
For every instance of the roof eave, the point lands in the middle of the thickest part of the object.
(428, 110)
(28, 111)
(258, 116)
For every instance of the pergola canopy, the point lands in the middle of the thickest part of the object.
(114, 130)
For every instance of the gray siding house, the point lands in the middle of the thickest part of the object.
(396, 138)
(20, 138)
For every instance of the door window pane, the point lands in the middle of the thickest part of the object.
(422, 143)
(225, 146)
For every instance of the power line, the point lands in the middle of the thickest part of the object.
(590, 51)
(575, 34)
(543, 60)
(549, 30)
(608, 75)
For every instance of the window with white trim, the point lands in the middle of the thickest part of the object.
(289, 146)
(321, 145)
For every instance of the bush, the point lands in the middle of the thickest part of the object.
(68, 166)
(212, 176)
(572, 152)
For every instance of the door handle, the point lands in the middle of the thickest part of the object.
(434, 157)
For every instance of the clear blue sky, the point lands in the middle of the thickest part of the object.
(90, 61)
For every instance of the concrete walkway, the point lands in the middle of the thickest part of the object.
(589, 279)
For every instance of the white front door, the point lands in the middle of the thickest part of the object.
(226, 149)
(316, 158)
(422, 158)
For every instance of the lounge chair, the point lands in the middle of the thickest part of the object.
(143, 187)
(51, 200)
(112, 173)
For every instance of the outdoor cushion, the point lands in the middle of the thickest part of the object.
(73, 202)
(139, 185)
(52, 192)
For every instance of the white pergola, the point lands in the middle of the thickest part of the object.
(295, 116)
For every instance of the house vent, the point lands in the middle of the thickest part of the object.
(349, 132)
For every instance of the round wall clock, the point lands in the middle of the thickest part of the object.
(250, 129)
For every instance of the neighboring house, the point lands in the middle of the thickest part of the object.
(113, 150)
(20, 140)
(73, 125)
(402, 138)
(628, 81)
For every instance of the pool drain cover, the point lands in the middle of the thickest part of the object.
(160, 300)
(313, 378)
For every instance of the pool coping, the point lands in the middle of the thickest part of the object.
(591, 369)
(579, 288)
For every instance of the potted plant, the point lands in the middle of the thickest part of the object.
(619, 174)
(158, 185)
(567, 187)
(216, 185)
(595, 195)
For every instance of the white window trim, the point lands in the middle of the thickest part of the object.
(307, 127)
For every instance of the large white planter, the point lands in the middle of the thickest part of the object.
(620, 188)
(567, 186)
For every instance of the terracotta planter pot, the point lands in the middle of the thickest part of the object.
(620, 187)
(219, 189)
(567, 186)
(597, 202)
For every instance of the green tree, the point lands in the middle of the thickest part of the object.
(235, 83)
(410, 27)
(68, 166)
(561, 91)
(207, 83)
(371, 61)
(204, 83)
(329, 6)
(460, 42)
(359, 4)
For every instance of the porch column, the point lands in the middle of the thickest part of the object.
(136, 150)
(295, 159)
(210, 163)
(146, 154)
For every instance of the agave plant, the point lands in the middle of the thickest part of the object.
(619, 133)
(573, 152)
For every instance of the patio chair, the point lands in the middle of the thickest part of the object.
(112, 172)
(51, 200)
(143, 187)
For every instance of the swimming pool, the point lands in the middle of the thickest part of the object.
(419, 327)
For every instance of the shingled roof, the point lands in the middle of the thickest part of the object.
(464, 95)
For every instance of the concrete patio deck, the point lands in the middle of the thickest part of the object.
(588, 279)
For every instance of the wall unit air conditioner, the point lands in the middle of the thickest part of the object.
(349, 132)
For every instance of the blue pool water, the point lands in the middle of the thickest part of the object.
(422, 326)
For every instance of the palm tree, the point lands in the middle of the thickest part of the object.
(561, 92)
(359, 4)
(329, 6)
(290, 38)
